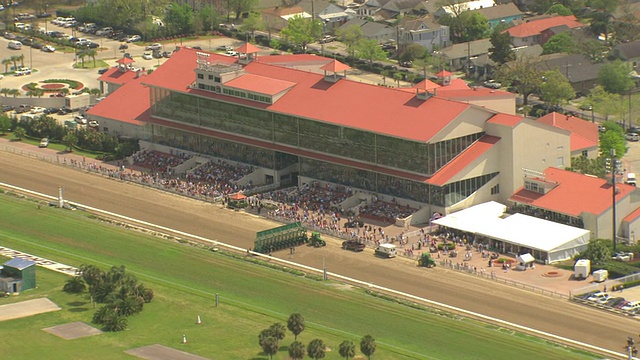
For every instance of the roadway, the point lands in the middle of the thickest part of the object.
(536, 311)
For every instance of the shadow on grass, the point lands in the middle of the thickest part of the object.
(77, 303)
(77, 310)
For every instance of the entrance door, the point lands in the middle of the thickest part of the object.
(15, 287)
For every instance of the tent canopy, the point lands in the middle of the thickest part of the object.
(525, 258)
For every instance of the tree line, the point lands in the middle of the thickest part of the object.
(269, 340)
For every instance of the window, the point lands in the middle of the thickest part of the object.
(560, 148)
(495, 190)
(560, 162)
(585, 153)
(201, 86)
(217, 79)
(210, 77)
(200, 76)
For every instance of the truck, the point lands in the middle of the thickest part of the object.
(353, 245)
(386, 250)
(631, 179)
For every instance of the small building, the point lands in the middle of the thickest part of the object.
(18, 275)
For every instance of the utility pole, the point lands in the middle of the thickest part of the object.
(613, 165)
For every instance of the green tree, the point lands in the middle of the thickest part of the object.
(14, 59)
(584, 165)
(560, 43)
(14, 92)
(597, 251)
(179, 19)
(240, 7)
(317, 349)
(81, 56)
(500, 51)
(347, 349)
(95, 91)
(559, 9)
(475, 25)
(5, 91)
(115, 322)
(21, 59)
(603, 102)
(268, 342)
(368, 346)
(19, 133)
(556, 89)
(350, 37)
(65, 91)
(614, 77)
(613, 138)
(593, 49)
(523, 75)
(295, 324)
(6, 63)
(296, 350)
(207, 17)
(70, 140)
(397, 77)
(278, 331)
(5, 124)
(302, 31)
(92, 54)
(412, 52)
(602, 12)
(370, 50)
(252, 23)
(75, 285)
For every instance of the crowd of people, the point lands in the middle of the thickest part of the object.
(157, 161)
(386, 212)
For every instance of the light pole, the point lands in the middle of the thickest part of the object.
(45, 19)
(614, 170)
(31, 56)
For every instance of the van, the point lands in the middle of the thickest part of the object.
(631, 179)
(15, 45)
(386, 250)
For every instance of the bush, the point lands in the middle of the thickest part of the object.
(449, 246)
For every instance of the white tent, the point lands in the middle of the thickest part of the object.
(550, 241)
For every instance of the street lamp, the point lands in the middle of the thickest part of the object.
(45, 19)
(31, 56)
(323, 40)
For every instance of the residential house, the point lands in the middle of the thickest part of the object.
(391, 9)
(481, 66)
(277, 18)
(629, 52)
(584, 134)
(581, 72)
(501, 14)
(458, 8)
(457, 55)
(423, 31)
(331, 13)
(530, 32)
(373, 30)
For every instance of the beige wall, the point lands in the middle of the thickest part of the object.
(506, 106)
(119, 128)
(592, 152)
(471, 121)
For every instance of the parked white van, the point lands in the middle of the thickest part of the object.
(15, 45)
(631, 179)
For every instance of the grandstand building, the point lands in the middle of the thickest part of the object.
(435, 148)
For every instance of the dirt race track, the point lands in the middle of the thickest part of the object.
(540, 312)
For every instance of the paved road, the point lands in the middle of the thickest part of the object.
(533, 310)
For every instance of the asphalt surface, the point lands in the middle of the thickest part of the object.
(536, 311)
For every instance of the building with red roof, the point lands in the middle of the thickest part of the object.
(437, 148)
(584, 134)
(530, 32)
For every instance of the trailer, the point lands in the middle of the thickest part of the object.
(386, 250)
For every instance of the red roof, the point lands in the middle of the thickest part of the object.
(574, 194)
(444, 73)
(584, 134)
(260, 84)
(457, 84)
(335, 66)
(463, 160)
(248, 48)
(115, 76)
(371, 107)
(505, 119)
(426, 84)
(474, 93)
(125, 61)
(130, 104)
(631, 217)
(295, 59)
(535, 27)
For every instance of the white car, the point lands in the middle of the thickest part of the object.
(48, 48)
(80, 119)
(37, 110)
(631, 306)
(44, 142)
(147, 55)
(134, 38)
(156, 46)
(93, 123)
(231, 53)
(599, 298)
(23, 71)
(632, 137)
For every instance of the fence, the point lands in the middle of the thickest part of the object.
(609, 284)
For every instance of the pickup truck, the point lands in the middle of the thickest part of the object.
(353, 245)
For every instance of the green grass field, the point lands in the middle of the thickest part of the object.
(185, 279)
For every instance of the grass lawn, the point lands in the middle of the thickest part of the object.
(54, 145)
(185, 280)
(90, 64)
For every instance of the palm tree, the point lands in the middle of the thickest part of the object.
(70, 140)
(19, 133)
(347, 349)
(14, 59)
(5, 91)
(368, 346)
(82, 55)
(317, 349)
(295, 324)
(278, 331)
(102, 314)
(65, 91)
(14, 92)
(74, 285)
(296, 350)
(92, 54)
(6, 63)
(115, 322)
(95, 91)
(31, 93)
(21, 59)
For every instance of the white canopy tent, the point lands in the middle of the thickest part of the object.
(549, 241)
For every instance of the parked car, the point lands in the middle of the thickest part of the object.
(612, 302)
(80, 119)
(492, 84)
(155, 46)
(147, 55)
(52, 110)
(406, 64)
(37, 110)
(44, 143)
(103, 70)
(22, 71)
(633, 129)
(6, 108)
(48, 48)
(167, 54)
(93, 123)
(23, 108)
(37, 45)
(602, 128)
(64, 111)
(632, 136)
(631, 306)
(104, 31)
(327, 39)
(623, 256)
(134, 38)
(599, 297)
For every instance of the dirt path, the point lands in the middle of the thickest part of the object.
(472, 293)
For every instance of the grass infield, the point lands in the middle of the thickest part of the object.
(252, 297)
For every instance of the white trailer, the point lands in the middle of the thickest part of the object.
(582, 269)
(386, 250)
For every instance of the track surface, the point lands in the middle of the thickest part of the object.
(536, 311)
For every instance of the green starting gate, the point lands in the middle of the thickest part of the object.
(281, 237)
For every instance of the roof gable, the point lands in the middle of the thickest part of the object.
(584, 134)
(535, 27)
(18, 263)
(500, 11)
